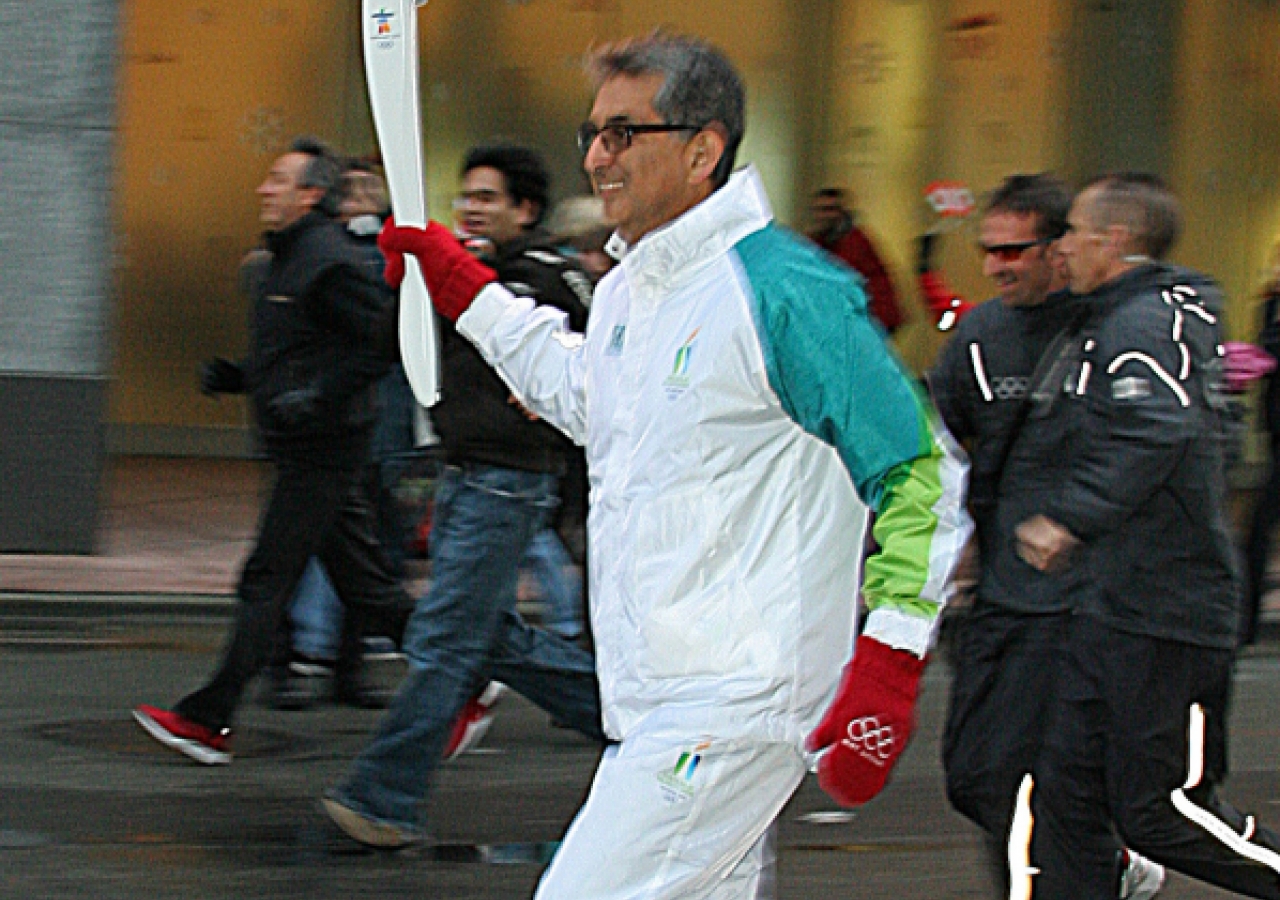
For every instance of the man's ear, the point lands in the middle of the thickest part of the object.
(527, 213)
(705, 152)
(312, 196)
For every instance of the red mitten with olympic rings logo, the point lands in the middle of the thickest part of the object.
(869, 723)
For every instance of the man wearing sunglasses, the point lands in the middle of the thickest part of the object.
(740, 414)
(1011, 642)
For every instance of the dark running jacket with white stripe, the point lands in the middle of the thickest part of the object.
(979, 385)
(1122, 446)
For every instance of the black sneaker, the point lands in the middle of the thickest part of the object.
(359, 693)
(288, 692)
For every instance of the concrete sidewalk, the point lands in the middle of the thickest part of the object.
(178, 530)
(167, 527)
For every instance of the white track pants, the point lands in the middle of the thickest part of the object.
(677, 818)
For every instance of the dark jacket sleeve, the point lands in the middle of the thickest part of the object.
(557, 285)
(1269, 332)
(354, 306)
(951, 385)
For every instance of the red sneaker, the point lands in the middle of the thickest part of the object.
(204, 745)
(473, 721)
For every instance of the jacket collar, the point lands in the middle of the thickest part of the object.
(1122, 288)
(280, 241)
(705, 233)
(512, 249)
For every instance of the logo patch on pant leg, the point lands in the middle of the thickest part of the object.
(678, 783)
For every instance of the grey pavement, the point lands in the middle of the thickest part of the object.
(91, 808)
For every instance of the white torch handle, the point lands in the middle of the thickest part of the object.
(391, 69)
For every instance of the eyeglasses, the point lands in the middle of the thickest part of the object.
(1008, 253)
(616, 136)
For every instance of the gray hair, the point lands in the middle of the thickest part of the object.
(323, 170)
(700, 86)
(1142, 204)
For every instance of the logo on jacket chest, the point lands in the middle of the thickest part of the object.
(676, 383)
(617, 338)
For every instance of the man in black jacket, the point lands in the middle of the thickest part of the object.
(499, 488)
(1123, 435)
(1011, 642)
(320, 340)
(1008, 646)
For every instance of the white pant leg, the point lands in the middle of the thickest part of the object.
(676, 818)
(756, 876)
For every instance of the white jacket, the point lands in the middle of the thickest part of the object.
(725, 534)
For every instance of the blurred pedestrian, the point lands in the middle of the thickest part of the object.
(836, 230)
(316, 615)
(499, 489)
(1011, 641)
(319, 342)
(1266, 509)
(1123, 445)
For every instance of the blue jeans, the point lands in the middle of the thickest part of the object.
(317, 614)
(547, 559)
(465, 632)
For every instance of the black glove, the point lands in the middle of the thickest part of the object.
(297, 407)
(924, 253)
(221, 376)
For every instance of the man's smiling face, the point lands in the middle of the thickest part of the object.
(1024, 278)
(648, 184)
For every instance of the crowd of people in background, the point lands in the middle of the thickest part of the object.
(725, 393)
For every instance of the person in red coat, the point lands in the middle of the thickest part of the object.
(835, 230)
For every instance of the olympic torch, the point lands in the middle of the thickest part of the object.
(390, 33)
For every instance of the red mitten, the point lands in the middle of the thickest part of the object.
(453, 275)
(393, 274)
(869, 722)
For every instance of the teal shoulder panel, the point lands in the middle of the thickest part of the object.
(828, 362)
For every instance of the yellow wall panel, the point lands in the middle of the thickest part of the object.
(881, 96)
(1000, 105)
(877, 135)
(210, 93)
(1226, 168)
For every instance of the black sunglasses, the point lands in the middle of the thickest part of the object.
(616, 136)
(1011, 252)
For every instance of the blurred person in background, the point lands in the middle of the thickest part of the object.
(836, 230)
(320, 340)
(499, 489)
(1266, 510)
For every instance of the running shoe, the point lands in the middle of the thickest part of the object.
(204, 745)
(1141, 879)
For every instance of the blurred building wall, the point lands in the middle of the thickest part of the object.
(212, 93)
(880, 96)
(57, 140)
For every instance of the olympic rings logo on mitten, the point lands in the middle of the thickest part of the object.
(870, 739)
